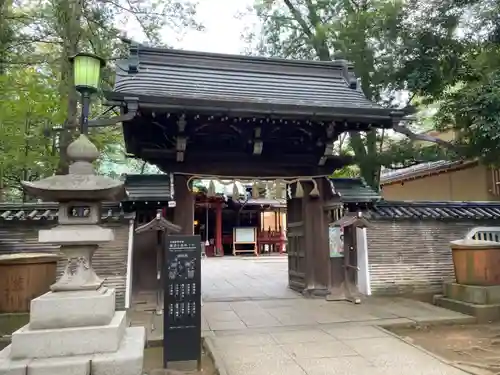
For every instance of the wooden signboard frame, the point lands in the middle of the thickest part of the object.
(237, 249)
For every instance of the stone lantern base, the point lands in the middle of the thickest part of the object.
(74, 329)
(77, 333)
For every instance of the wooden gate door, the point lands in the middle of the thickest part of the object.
(296, 246)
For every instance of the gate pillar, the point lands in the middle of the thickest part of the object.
(308, 245)
(184, 205)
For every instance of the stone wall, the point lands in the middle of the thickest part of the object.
(110, 261)
(413, 256)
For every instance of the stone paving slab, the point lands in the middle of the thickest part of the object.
(255, 325)
(258, 326)
(315, 352)
(307, 312)
(233, 278)
(300, 342)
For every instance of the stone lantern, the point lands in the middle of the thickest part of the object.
(74, 328)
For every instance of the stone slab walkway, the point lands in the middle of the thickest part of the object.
(322, 350)
(248, 278)
(315, 337)
(255, 325)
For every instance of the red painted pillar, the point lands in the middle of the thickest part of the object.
(218, 229)
(281, 243)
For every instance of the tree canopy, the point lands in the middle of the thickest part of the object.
(36, 83)
(405, 53)
(438, 54)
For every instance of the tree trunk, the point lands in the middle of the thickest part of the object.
(69, 23)
(366, 150)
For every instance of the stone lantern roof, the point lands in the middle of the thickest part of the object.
(81, 184)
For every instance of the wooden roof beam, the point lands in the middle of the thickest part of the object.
(258, 145)
(329, 147)
(236, 168)
(181, 142)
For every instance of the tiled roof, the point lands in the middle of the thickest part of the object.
(48, 211)
(402, 174)
(159, 223)
(148, 187)
(352, 190)
(351, 218)
(271, 85)
(435, 210)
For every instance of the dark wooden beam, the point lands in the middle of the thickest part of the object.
(378, 117)
(181, 142)
(328, 153)
(257, 142)
(258, 145)
(329, 145)
(215, 156)
(232, 168)
(184, 208)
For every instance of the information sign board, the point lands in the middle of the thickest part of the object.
(182, 313)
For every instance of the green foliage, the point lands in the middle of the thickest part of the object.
(376, 36)
(349, 171)
(36, 83)
(474, 112)
(466, 67)
(443, 52)
(28, 102)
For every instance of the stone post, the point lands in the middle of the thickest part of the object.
(74, 328)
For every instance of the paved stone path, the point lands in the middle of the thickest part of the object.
(255, 325)
(249, 278)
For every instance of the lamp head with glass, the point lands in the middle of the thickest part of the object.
(87, 72)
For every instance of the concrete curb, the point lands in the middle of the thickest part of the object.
(210, 348)
(466, 320)
(418, 347)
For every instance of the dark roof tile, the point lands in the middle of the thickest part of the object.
(222, 81)
(152, 188)
(353, 190)
(402, 174)
(406, 210)
(47, 211)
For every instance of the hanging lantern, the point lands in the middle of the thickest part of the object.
(255, 190)
(299, 191)
(315, 191)
(211, 189)
(236, 192)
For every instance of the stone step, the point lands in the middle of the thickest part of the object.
(44, 343)
(482, 313)
(127, 360)
(479, 295)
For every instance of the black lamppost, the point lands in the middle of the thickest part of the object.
(87, 77)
